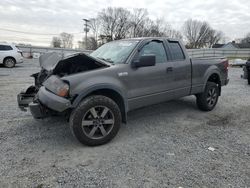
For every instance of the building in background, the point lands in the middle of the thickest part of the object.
(232, 45)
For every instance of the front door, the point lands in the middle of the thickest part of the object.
(153, 84)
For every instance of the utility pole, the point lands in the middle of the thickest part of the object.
(86, 29)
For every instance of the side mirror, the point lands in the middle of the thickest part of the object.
(144, 61)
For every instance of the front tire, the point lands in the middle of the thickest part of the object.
(9, 62)
(207, 100)
(96, 120)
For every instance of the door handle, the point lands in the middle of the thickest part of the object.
(169, 69)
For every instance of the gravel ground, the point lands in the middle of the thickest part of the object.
(164, 145)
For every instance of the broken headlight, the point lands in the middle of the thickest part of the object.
(57, 86)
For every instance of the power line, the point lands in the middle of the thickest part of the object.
(32, 33)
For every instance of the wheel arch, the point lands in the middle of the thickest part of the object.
(215, 78)
(9, 57)
(113, 93)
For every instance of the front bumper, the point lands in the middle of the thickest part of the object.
(42, 104)
(26, 97)
(53, 101)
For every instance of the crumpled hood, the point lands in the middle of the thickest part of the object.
(49, 61)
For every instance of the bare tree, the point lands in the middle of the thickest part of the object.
(246, 39)
(214, 37)
(67, 40)
(199, 34)
(115, 22)
(138, 18)
(119, 23)
(122, 23)
(172, 33)
(56, 42)
(92, 43)
(108, 19)
(94, 24)
(151, 28)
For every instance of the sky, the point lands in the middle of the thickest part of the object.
(38, 21)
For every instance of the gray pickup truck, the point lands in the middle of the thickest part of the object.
(96, 91)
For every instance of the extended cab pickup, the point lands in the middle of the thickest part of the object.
(96, 91)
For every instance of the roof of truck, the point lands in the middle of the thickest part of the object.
(145, 38)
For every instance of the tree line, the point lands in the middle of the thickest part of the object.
(118, 23)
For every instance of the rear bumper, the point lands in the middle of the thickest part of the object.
(19, 60)
(224, 82)
(227, 81)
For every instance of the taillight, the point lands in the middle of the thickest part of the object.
(226, 64)
(20, 52)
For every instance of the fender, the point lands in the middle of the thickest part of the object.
(211, 70)
(93, 88)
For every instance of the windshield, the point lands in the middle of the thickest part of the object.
(115, 52)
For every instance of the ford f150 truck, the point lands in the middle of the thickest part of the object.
(96, 91)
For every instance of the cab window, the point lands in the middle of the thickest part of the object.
(155, 48)
(176, 51)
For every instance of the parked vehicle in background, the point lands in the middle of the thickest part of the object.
(10, 55)
(96, 91)
(246, 70)
(237, 62)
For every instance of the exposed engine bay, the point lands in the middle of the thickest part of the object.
(54, 64)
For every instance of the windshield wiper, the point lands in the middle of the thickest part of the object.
(107, 60)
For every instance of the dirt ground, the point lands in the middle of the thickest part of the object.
(164, 145)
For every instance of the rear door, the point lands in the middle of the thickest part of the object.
(181, 68)
(150, 85)
(2, 52)
(5, 50)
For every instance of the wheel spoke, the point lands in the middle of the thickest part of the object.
(213, 90)
(87, 122)
(210, 92)
(93, 112)
(104, 112)
(103, 131)
(211, 102)
(208, 99)
(92, 132)
(108, 121)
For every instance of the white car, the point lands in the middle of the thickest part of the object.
(10, 55)
(237, 62)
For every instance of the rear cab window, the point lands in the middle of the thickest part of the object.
(176, 51)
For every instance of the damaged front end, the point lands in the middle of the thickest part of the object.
(50, 94)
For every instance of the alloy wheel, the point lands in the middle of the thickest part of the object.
(9, 63)
(98, 122)
(211, 97)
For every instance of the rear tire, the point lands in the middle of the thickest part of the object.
(96, 120)
(207, 100)
(9, 62)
